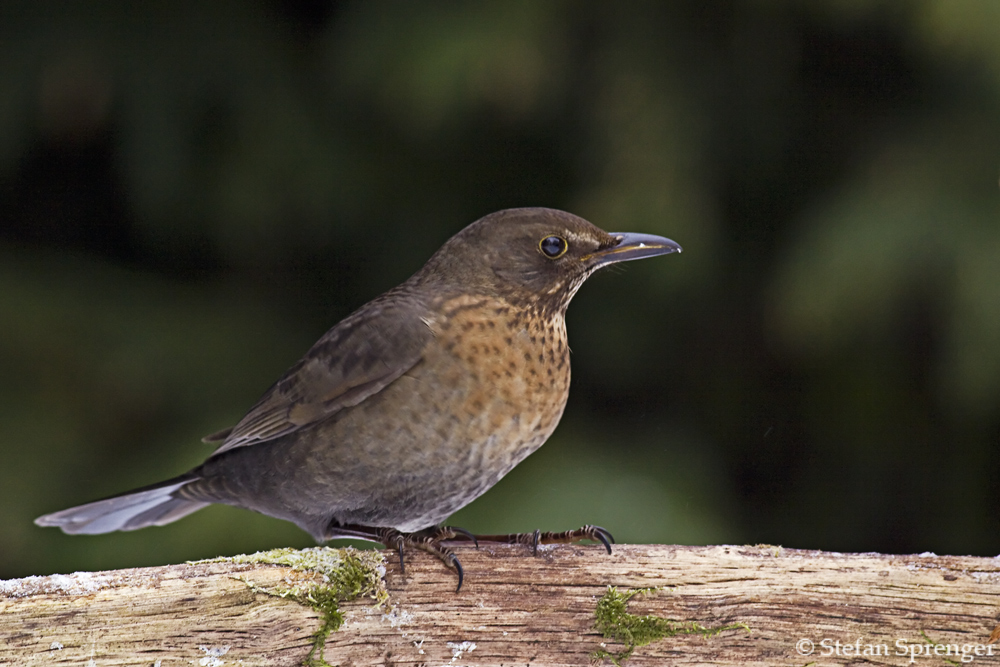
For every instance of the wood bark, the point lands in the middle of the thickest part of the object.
(801, 607)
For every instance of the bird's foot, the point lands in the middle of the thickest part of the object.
(429, 540)
(594, 533)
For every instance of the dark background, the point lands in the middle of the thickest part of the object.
(191, 193)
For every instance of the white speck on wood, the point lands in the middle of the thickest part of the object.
(458, 649)
(398, 617)
(213, 655)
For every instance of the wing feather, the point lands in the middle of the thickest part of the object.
(356, 359)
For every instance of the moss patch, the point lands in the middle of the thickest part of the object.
(614, 622)
(346, 574)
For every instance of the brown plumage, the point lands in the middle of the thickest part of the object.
(412, 406)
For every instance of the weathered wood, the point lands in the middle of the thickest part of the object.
(515, 609)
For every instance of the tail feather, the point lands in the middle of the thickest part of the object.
(151, 506)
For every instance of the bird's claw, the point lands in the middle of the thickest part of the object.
(429, 540)
(598, 534)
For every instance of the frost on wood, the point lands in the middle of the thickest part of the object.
(665, 604)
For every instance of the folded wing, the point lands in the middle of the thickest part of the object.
(356, 359)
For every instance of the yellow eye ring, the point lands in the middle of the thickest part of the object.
(553, 247)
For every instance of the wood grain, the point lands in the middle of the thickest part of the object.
(516, 609)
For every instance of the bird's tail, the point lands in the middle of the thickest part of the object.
(149, 506)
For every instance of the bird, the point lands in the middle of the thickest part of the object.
(412, 406)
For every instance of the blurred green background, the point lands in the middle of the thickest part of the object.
(191, 193)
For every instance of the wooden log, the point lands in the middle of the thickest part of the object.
(570, 605)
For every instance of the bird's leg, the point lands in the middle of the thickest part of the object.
(390, 538)
(594, 533)
(429, 540)
(393, 539)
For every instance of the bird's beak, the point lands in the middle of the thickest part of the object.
(632, 246)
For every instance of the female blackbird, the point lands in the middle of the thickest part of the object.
(414, 405)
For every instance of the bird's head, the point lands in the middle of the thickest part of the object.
(535, 255)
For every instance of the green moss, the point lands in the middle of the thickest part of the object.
(614, 622)
(346, 574)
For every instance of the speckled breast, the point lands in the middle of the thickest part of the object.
(494, 384)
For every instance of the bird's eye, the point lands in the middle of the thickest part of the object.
(553, 247)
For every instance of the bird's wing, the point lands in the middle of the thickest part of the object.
(354, 360)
